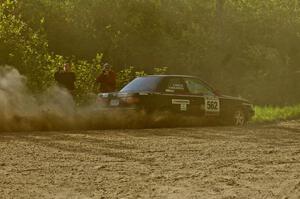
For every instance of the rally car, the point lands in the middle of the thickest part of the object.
(178, 94)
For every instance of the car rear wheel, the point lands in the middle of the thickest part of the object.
(239, 118)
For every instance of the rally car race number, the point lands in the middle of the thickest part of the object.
(212, 105)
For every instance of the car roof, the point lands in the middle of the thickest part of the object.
(189, 76)
(182, 76)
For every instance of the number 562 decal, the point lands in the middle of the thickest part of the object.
(212, 105)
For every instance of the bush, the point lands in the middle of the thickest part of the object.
(25, 49)
(270, 113)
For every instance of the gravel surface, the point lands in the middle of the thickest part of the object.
(258, 161)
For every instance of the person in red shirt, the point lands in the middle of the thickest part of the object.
(107, 80)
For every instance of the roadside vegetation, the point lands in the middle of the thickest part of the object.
(272, 113)
(247, 48)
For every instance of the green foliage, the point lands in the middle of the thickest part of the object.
(247, 48)
(125, 76)
(23, 48)
(128, 74)
(86, 74)
(160, 70)
(270, 113)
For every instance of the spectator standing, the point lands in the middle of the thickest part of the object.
(66, 78)
(107, 79)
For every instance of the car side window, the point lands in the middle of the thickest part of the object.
(197, 87)
(175, 85)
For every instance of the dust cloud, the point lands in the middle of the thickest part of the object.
(54, 109)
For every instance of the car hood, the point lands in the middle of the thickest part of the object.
(234, 98)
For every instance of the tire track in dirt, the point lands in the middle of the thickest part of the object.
(261, 161)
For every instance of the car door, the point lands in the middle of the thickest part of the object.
(204, 101)
(174, 95)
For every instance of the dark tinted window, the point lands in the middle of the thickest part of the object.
(142, 84)
(197, 87)
(175, 85)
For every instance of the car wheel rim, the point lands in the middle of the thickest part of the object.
(239, 118)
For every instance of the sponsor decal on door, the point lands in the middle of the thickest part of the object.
(182, 103)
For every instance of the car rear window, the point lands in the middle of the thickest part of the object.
(142, 84)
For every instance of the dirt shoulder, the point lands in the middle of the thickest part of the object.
(212, 162)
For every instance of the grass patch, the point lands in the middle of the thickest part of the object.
(270, 113)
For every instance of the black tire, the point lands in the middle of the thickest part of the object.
(239, 118)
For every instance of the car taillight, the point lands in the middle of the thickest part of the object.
(131, 100)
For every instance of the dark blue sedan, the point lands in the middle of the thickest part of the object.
(182, 95)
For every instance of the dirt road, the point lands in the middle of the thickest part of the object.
(210, 162)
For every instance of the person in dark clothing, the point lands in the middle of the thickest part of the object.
(107, 80)
(66, 78)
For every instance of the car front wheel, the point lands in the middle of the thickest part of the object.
(239, 118)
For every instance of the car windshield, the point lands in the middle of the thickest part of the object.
(142, 84)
